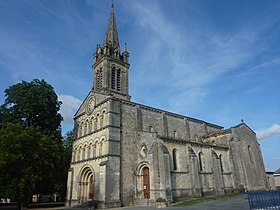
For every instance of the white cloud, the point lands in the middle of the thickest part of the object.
(69, 106)
(191, 60)
(273, 130)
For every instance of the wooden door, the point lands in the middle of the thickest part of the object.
(146, 182)
(91, 188)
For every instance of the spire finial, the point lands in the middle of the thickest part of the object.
(112, 3)
(125, 47)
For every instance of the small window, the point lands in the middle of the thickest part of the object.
(89, 151)
(85, 128)
(89, 127)
(201, 164)
(95, 123)
(100, 148)
(175, 134)
(80, 131)
(98, 121)
(94, 150)
(84, 153)
(174, 155)
(74, 155)
(221, 163)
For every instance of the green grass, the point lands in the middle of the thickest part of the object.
(205, 199)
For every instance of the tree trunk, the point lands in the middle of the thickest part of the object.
(19, 204)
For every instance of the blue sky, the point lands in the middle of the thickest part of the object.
(217, 60)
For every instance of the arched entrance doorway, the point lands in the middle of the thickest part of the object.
(146, 182)
(91, 188)
(86, 185)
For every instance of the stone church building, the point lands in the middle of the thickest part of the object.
(126, 153)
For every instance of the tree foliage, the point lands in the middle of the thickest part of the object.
(67, 143)
(33, 158)
(27, 161)
(32, 103)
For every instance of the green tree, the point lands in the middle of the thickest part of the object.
(68, 139)
(27, 162)
(31, 136)
(33, 103)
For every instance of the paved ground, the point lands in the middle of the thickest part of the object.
(236, 203)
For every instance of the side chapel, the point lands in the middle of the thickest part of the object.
(126, 153)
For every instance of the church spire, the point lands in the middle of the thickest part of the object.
(111, 39)
(110, 68)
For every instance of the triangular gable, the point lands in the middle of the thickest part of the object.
(242, 125)
(82, 108)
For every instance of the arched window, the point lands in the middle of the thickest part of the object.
(89, 126)
(200, 159)
(99, 79)
(97, 121)
(101, 148)
(174, 155)
(103, 118)
(113, 78)
(74, 155)
(80, 129)
(175, 134)
(85, 128)
(221, 163)
(89, 151)
(118, 80)
(79, 154)
(94, 150)
(95, 124)
(83, 153)
(151, 129)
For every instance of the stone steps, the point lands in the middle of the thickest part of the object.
(142, 202)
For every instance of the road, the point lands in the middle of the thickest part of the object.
(236, 203)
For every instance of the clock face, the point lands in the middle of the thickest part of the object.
(90, 105)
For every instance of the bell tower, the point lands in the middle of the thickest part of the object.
(110, 68)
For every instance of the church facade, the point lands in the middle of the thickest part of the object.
(127, 153)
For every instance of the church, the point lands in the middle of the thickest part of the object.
(129, 154)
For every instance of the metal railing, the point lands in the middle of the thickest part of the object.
(262, 200)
